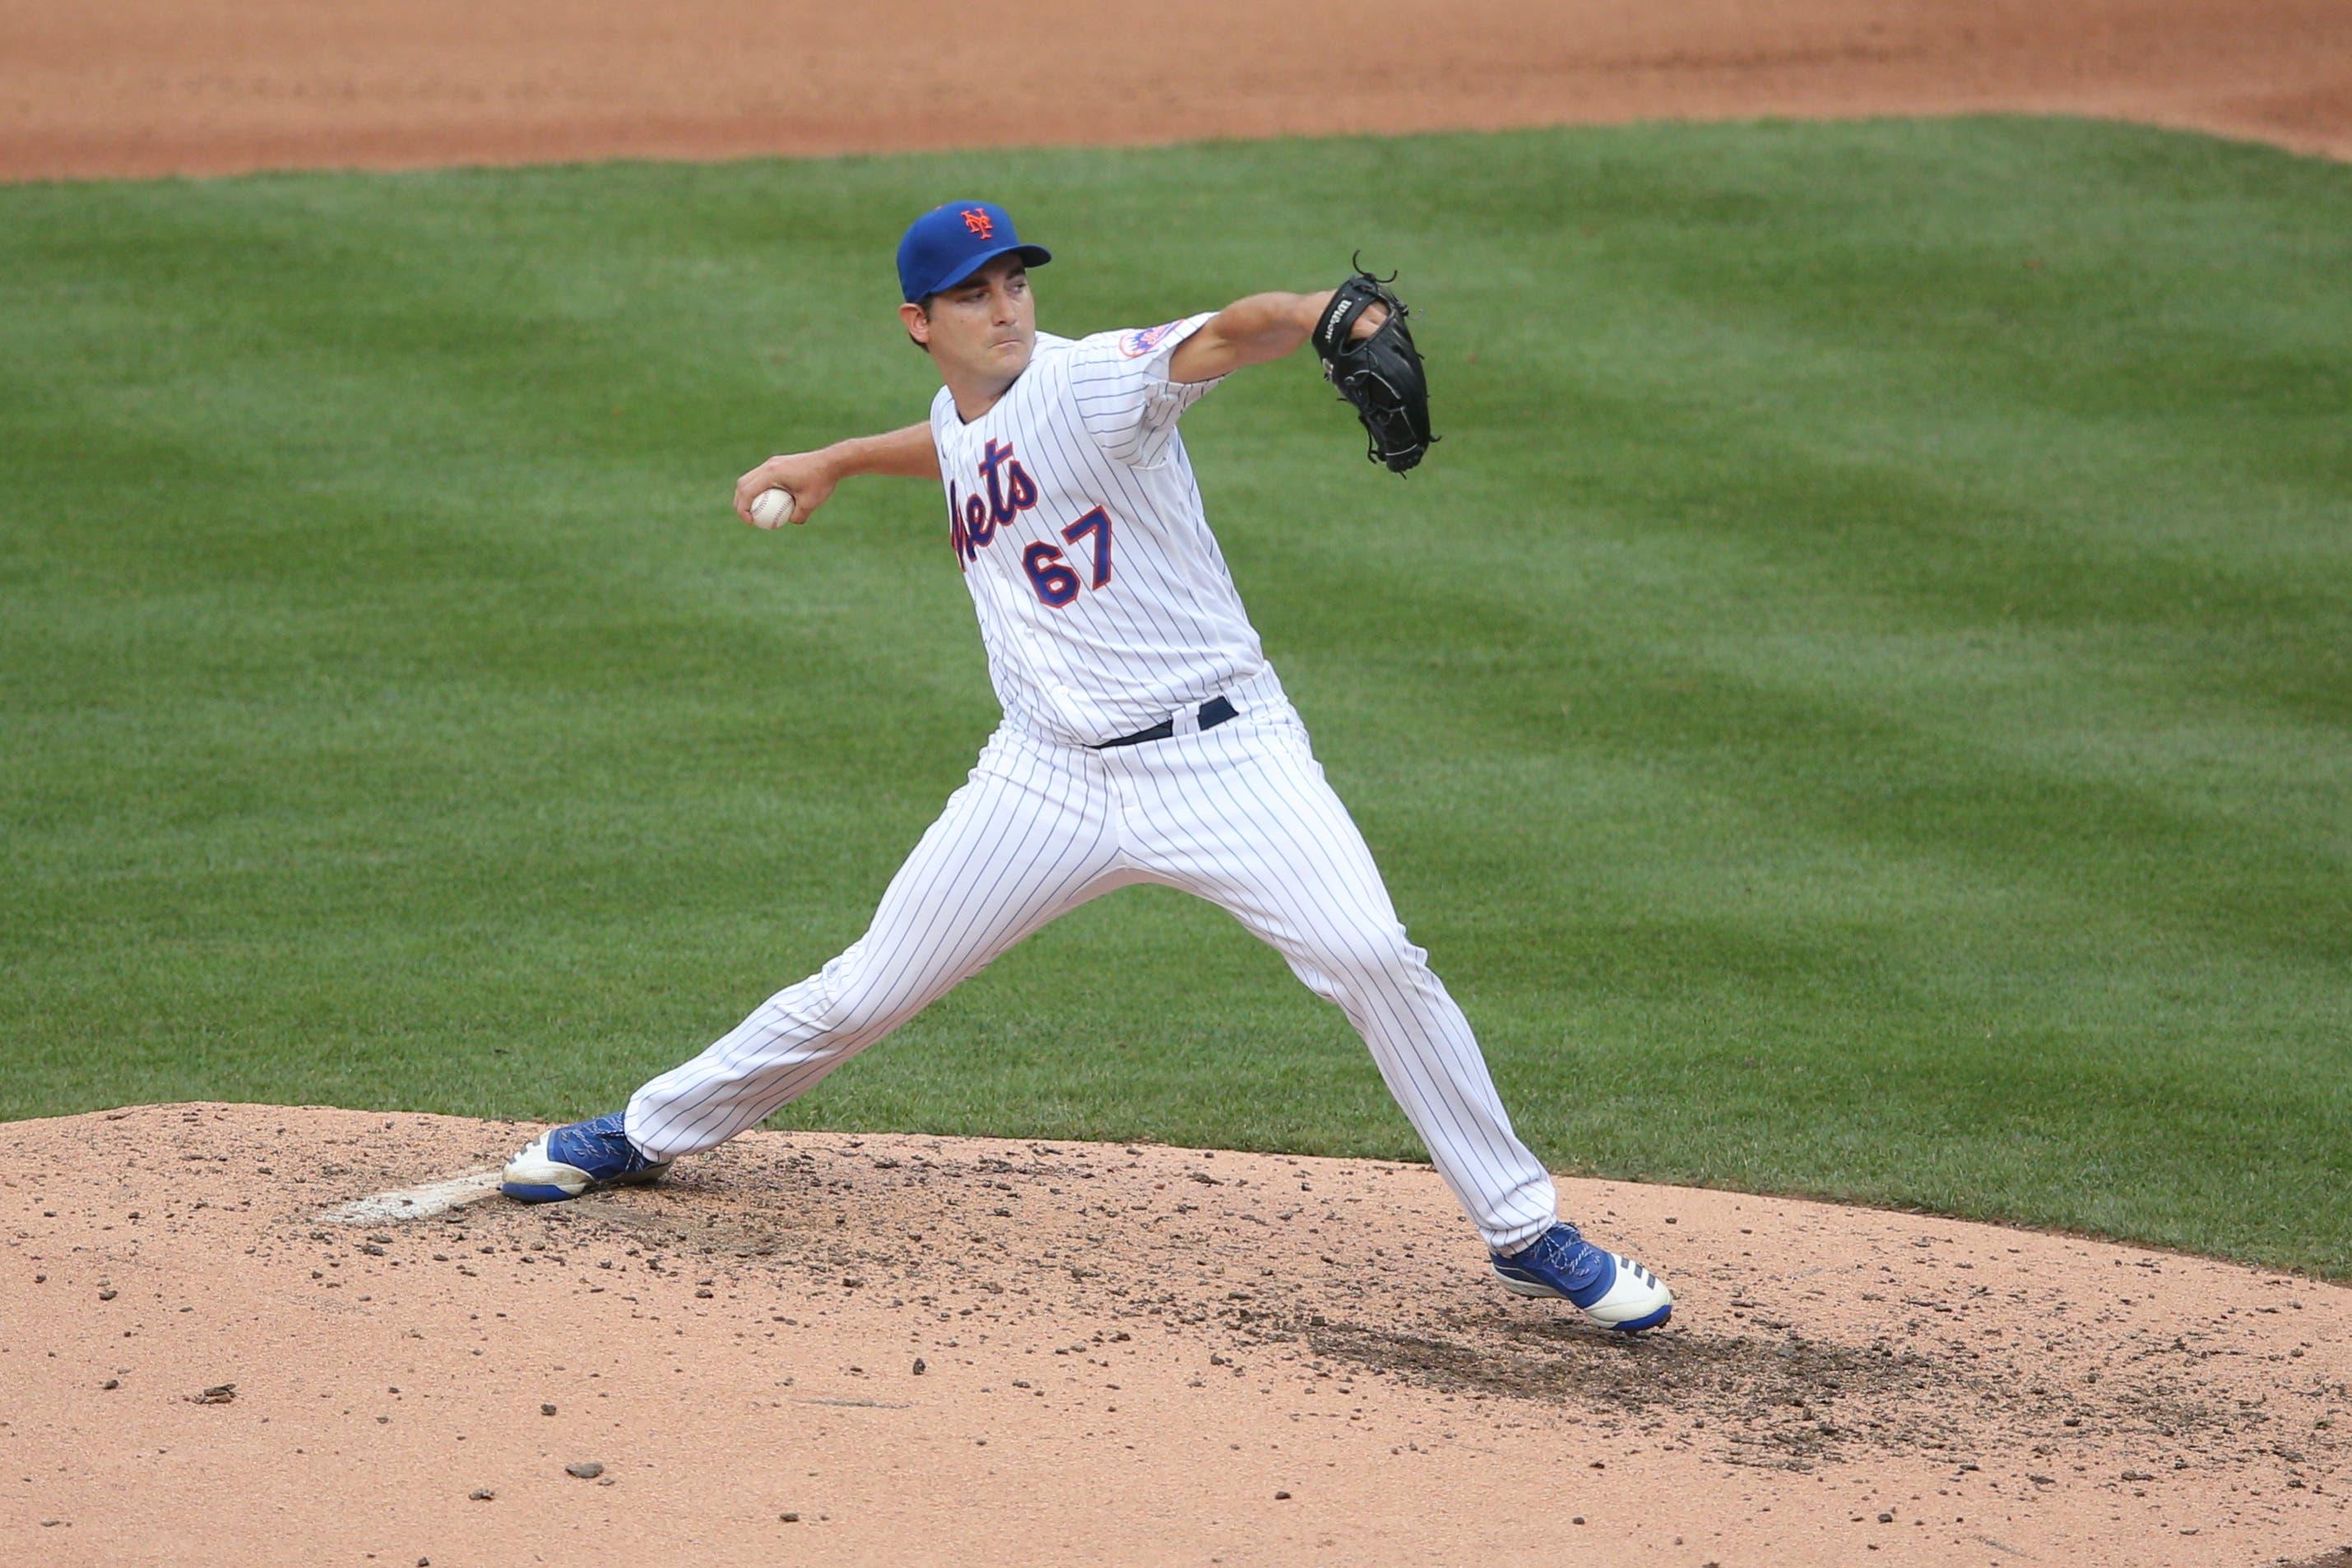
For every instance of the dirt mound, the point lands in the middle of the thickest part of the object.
(150, 87)
(1027, 1352)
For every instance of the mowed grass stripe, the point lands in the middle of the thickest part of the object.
(1860, 703)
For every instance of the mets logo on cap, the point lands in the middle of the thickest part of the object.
(954, 241)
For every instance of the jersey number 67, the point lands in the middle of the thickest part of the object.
(1055, 580)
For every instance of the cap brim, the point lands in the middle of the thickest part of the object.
(1030, 255)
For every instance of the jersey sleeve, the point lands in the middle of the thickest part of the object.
(1119, 382)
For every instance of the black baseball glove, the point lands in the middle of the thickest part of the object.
(1380, 375)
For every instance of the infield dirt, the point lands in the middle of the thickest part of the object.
(897, 1349)
(154, 87)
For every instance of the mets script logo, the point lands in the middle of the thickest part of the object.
(1135, 345)
(980, 223)
(974, 519)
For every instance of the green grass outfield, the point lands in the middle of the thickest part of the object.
(1860, 703)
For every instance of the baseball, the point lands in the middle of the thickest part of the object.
(772, 508)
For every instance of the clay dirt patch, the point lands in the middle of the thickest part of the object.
(154, 87)
(828, 1346)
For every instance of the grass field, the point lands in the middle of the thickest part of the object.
(1859, 704)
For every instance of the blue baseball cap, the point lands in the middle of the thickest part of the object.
(948, 244)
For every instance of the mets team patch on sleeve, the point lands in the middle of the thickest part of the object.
(1137, 344)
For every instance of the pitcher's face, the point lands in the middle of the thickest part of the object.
(984, 329)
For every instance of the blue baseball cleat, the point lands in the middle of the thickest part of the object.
(1612, 1290)
(566, 1162)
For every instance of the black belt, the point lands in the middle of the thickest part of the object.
(1213, 712)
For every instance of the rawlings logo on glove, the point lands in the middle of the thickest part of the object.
(1379, 375)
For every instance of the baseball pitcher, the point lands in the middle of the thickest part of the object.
(1145, 737)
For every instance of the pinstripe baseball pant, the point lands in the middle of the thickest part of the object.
(1239, 815)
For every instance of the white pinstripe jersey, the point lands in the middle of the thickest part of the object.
(1104, 601)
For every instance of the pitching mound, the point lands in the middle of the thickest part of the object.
(894, 1348)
